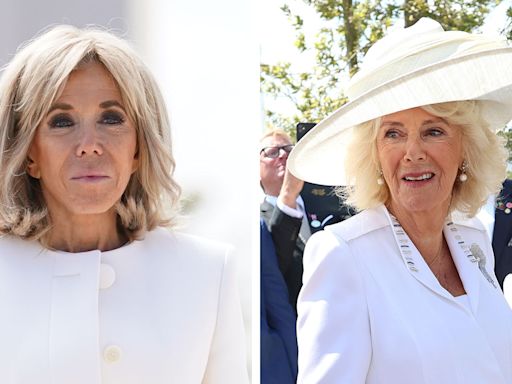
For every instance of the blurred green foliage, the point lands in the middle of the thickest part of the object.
(349, 28)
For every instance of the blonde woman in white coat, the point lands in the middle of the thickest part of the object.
(404, 292)
(93, 288)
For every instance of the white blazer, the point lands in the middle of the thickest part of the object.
(161, 310)
(369, 314)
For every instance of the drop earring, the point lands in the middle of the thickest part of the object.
(463, 168)
(380, 179)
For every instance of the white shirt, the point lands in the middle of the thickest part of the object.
(292, 212)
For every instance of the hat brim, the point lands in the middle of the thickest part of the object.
(487, 76)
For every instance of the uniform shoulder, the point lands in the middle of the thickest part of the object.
(507, 186)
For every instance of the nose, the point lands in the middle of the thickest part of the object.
(89, 141)
(283, 154)
(414, 150)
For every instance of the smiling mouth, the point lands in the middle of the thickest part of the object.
(425, 176)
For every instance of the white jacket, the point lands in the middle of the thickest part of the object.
(367, 314)
(161, 310)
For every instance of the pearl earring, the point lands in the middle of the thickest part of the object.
(463, 176)
(380, 179)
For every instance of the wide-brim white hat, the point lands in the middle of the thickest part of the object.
(410, 67)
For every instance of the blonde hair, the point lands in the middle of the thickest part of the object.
(30, 84)
(483, 151)
(276, 133)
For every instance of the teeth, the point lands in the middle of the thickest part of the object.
(425, 176)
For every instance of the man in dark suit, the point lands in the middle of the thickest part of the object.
(281, 210)
(278, 337)
(502, 234)
(292, 209)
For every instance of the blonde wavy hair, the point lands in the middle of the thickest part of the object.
(483, 151)
(30, 84)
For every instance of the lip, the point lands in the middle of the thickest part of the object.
(90, 177)
(417, 175)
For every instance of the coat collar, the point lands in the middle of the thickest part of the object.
(465, 262)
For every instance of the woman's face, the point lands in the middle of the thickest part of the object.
(419, 155)
(85, 149)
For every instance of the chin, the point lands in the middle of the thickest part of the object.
(92, 205)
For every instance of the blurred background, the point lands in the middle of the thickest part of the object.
(205, 58)
(310, 48)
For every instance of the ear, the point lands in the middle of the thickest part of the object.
(32, 167)
(135, 162)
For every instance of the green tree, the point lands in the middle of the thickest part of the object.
(507, 29)
(350, 27)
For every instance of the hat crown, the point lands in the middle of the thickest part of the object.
(412, 67)
(406, 50)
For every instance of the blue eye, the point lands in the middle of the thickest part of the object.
(435, 132)
(391, 134)
(61, 121)
(112, 118)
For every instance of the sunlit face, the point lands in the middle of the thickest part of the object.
(85, 149)
(419, 155)
(272, 170)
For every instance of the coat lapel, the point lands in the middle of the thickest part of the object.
(415, 263)
(266, 210)
(465, 263)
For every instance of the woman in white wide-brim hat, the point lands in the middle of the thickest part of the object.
(404, 292)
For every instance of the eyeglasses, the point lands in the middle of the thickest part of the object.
(274, 152)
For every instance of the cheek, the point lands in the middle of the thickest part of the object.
(45, 159)
(387, 159)
(129, 158)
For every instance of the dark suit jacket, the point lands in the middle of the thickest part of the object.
(323, 208)
(289, 246)
(502, 235)
(277, 321)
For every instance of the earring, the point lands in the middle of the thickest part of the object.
(380, 179)
(463, 168)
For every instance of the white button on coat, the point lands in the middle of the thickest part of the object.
(112, 354)
(107, 276)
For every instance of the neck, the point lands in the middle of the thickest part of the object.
(424, 228)
(81, 233)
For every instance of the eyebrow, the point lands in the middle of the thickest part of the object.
(64, 106)
(111, 103)
(425, 122)
(104, 105)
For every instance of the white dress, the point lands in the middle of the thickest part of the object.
(371, 311)
(161, 310)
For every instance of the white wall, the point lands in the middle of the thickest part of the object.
(205, 56)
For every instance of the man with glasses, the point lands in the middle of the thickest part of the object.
(281, 259)
(283, 209)
(290, 221)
